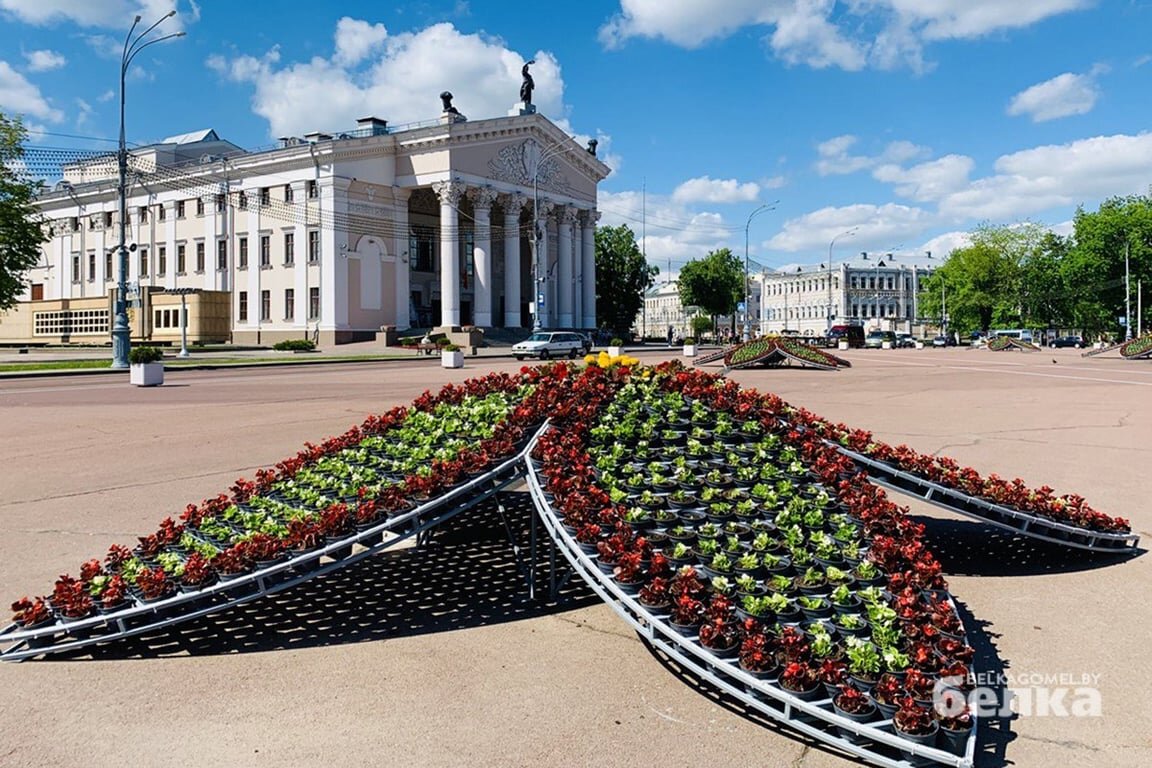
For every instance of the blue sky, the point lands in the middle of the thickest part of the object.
(907, 121)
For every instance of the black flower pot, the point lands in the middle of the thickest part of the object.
(687, 630)
(856, 717)
(954, 741)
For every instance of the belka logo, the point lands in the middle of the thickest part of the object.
(1063, 698)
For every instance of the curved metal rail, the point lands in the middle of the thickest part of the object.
(878, 743)
(64, 635)
(1024, 523)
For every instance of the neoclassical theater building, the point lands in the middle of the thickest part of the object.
(333, 237)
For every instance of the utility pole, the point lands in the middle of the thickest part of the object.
(1127, 295)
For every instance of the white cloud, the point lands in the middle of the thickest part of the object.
(774, 182)
(356, 39)
(834, 158)
(109, 14)
(823, 33)
(941, 246)
(1062, 96)
(704, 189)
(401, 82)
(877, 226)
(44, 60)
(928, 181)
(107, 96)
(674, 233)
(1042, 178)
(19, 95)
(84, 111)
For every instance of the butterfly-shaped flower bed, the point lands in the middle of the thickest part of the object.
(391, 477)
(758, 557)
(1139, 348)
(772, 351)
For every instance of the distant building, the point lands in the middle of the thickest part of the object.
(879, 291)
(329, 236)
(662, 308)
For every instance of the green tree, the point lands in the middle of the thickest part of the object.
(981, 283)
(714, 283)
(1094, 267)
(1044, 294)
(21, 232)
(622, 277)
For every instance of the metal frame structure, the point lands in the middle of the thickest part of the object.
(1024, 523)
(877, 743)
(146, 617)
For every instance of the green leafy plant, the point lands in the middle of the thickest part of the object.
(294, 345)
(144, 355)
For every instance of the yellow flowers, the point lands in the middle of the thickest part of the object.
(604, 360)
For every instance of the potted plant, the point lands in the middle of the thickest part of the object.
(145, 368)
(757, 657)
(451, 356)
(799, 679)
(654, 596)
(915, 723)
(887, 693)
(689, 347)
(864, 663)
(616, 347)
(955, 730)
(853, 704)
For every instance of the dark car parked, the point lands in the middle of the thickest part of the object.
(1067, 341)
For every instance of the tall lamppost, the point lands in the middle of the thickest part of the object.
(121, 335)
(537, 279)
(845, 233)
(747, 225)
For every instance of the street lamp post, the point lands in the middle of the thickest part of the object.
(537, 279)
(121, 335)
(747, 225)
(845, 233)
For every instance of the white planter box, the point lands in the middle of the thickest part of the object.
(919, 345)
(451, 359)
(885, 345)
(842, 344)
(146, 374)
(689, 350)
(615, 351)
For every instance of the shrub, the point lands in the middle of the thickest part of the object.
(294, 345)
(144, 355)
(450, 347)
(689, 340)
(617, 341)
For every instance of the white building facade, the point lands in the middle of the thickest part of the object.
(335, 237)
(878, 291)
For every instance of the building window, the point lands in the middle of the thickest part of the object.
(265, 305)
(142, 214)
(289, 304)
(289, 249)
(313, 303)
(107, 266)
(76, 277)
(107, 219)
(161, 260)
(421, 248)
(74, 224)
(265, 196)
(243, 313)
(199, 206)
(181, 259)
(242, 201)
(221, 202)
(242, 259)
(200, 257)
(143, 262)
(287, 193)
(179, 209)
(313, 189)
(161, 212)
(91, 266)
(265, 251)
(222, 255)
(313, 246)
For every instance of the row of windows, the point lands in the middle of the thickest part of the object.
(859, 282)
(289, 305)
(70, 322)
(858, 310)
(264, 196)
(265, 246)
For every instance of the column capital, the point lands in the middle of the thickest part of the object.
(449, 191)
(544, 208)
(482, 197)
(567, 214)
(513, 202)
(589, 217)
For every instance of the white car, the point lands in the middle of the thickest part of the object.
(547, 344)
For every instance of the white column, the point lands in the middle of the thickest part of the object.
(578, 272)
(300, 281)
(512, 205)
(400, 246)
(449, 193)
(209, 235)
(589, 269)
(565, 287)
(482, 199)
(333, 207)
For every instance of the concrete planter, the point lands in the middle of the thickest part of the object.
(919, 345)
(452, 359)
(842, 345)
(689, 350)
(885, 345)
(615, 351)
(146, 374)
